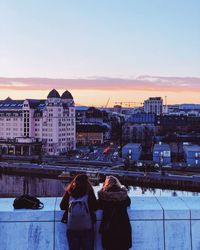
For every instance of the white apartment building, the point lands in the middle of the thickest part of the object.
(154, 105)
(29, 126)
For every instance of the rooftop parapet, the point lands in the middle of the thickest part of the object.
(157, 223)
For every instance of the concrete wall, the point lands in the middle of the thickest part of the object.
(169, 223)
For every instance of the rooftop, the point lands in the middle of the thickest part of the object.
(158, 223)
(11, 104)
(53, 94)
(162, 146)
(91, 128)
(67, 95)
(191, 147)
(132, 145)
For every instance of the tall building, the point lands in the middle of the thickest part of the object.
(153, 105)
(27, 125)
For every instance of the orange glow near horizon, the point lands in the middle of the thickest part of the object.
(99, 97)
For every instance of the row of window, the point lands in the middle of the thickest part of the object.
(11, 135)
(50, 150)
(11, 119)
(10, 125)
(10, 114)
(10, 129)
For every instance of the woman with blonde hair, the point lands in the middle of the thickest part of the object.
(115, 227)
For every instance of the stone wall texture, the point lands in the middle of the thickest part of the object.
(158, 223)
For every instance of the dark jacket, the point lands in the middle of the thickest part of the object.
(92, 205)
(115, 226)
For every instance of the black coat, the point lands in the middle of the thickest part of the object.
(115, 227)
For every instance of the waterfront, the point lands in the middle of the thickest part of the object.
(12, 186)
(149, 192)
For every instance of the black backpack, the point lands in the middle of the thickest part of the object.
(27, 201)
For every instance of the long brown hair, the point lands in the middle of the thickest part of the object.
(111, 182)
(79, 186)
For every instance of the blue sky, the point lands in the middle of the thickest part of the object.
(49, 38)
(66, 39)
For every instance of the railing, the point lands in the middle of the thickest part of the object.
(158, 223)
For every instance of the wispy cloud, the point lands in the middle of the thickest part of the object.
(141, 83)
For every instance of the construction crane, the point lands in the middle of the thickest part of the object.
(107, 102)
(129, 104)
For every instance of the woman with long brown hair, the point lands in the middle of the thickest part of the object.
(80, 204)
(115, 227)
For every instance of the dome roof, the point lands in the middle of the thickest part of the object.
(8, 99)
(67, 95)
(53, 94)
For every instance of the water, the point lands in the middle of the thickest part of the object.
(150, 192)
(12, 186)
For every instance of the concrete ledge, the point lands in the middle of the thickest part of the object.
(8, 213)
(163, 223)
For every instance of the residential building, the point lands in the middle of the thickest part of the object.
(132, 150)
(142, 118)
(162, 154)
(81, 114)
(154, 105)
(50, 124)
(92, 134)
(117, 109)
(192, 155)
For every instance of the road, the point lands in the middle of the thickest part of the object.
(103, 171)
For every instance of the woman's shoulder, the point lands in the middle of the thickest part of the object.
(113, 196)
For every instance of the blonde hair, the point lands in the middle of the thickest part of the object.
(111, 181)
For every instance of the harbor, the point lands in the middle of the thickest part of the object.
(63, 174)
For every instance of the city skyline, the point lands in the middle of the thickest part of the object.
(125, 51)
(116, 90)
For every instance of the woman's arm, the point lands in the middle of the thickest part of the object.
(128, 201)
(101, 204)
(64, 204)
(92, 201)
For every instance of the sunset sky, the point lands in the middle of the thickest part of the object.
(126, 50)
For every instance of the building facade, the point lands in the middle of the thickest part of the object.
(154, 105)
(48, 123)
(162, 154)
(192, 155)
(132, 151)
(91, 134)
